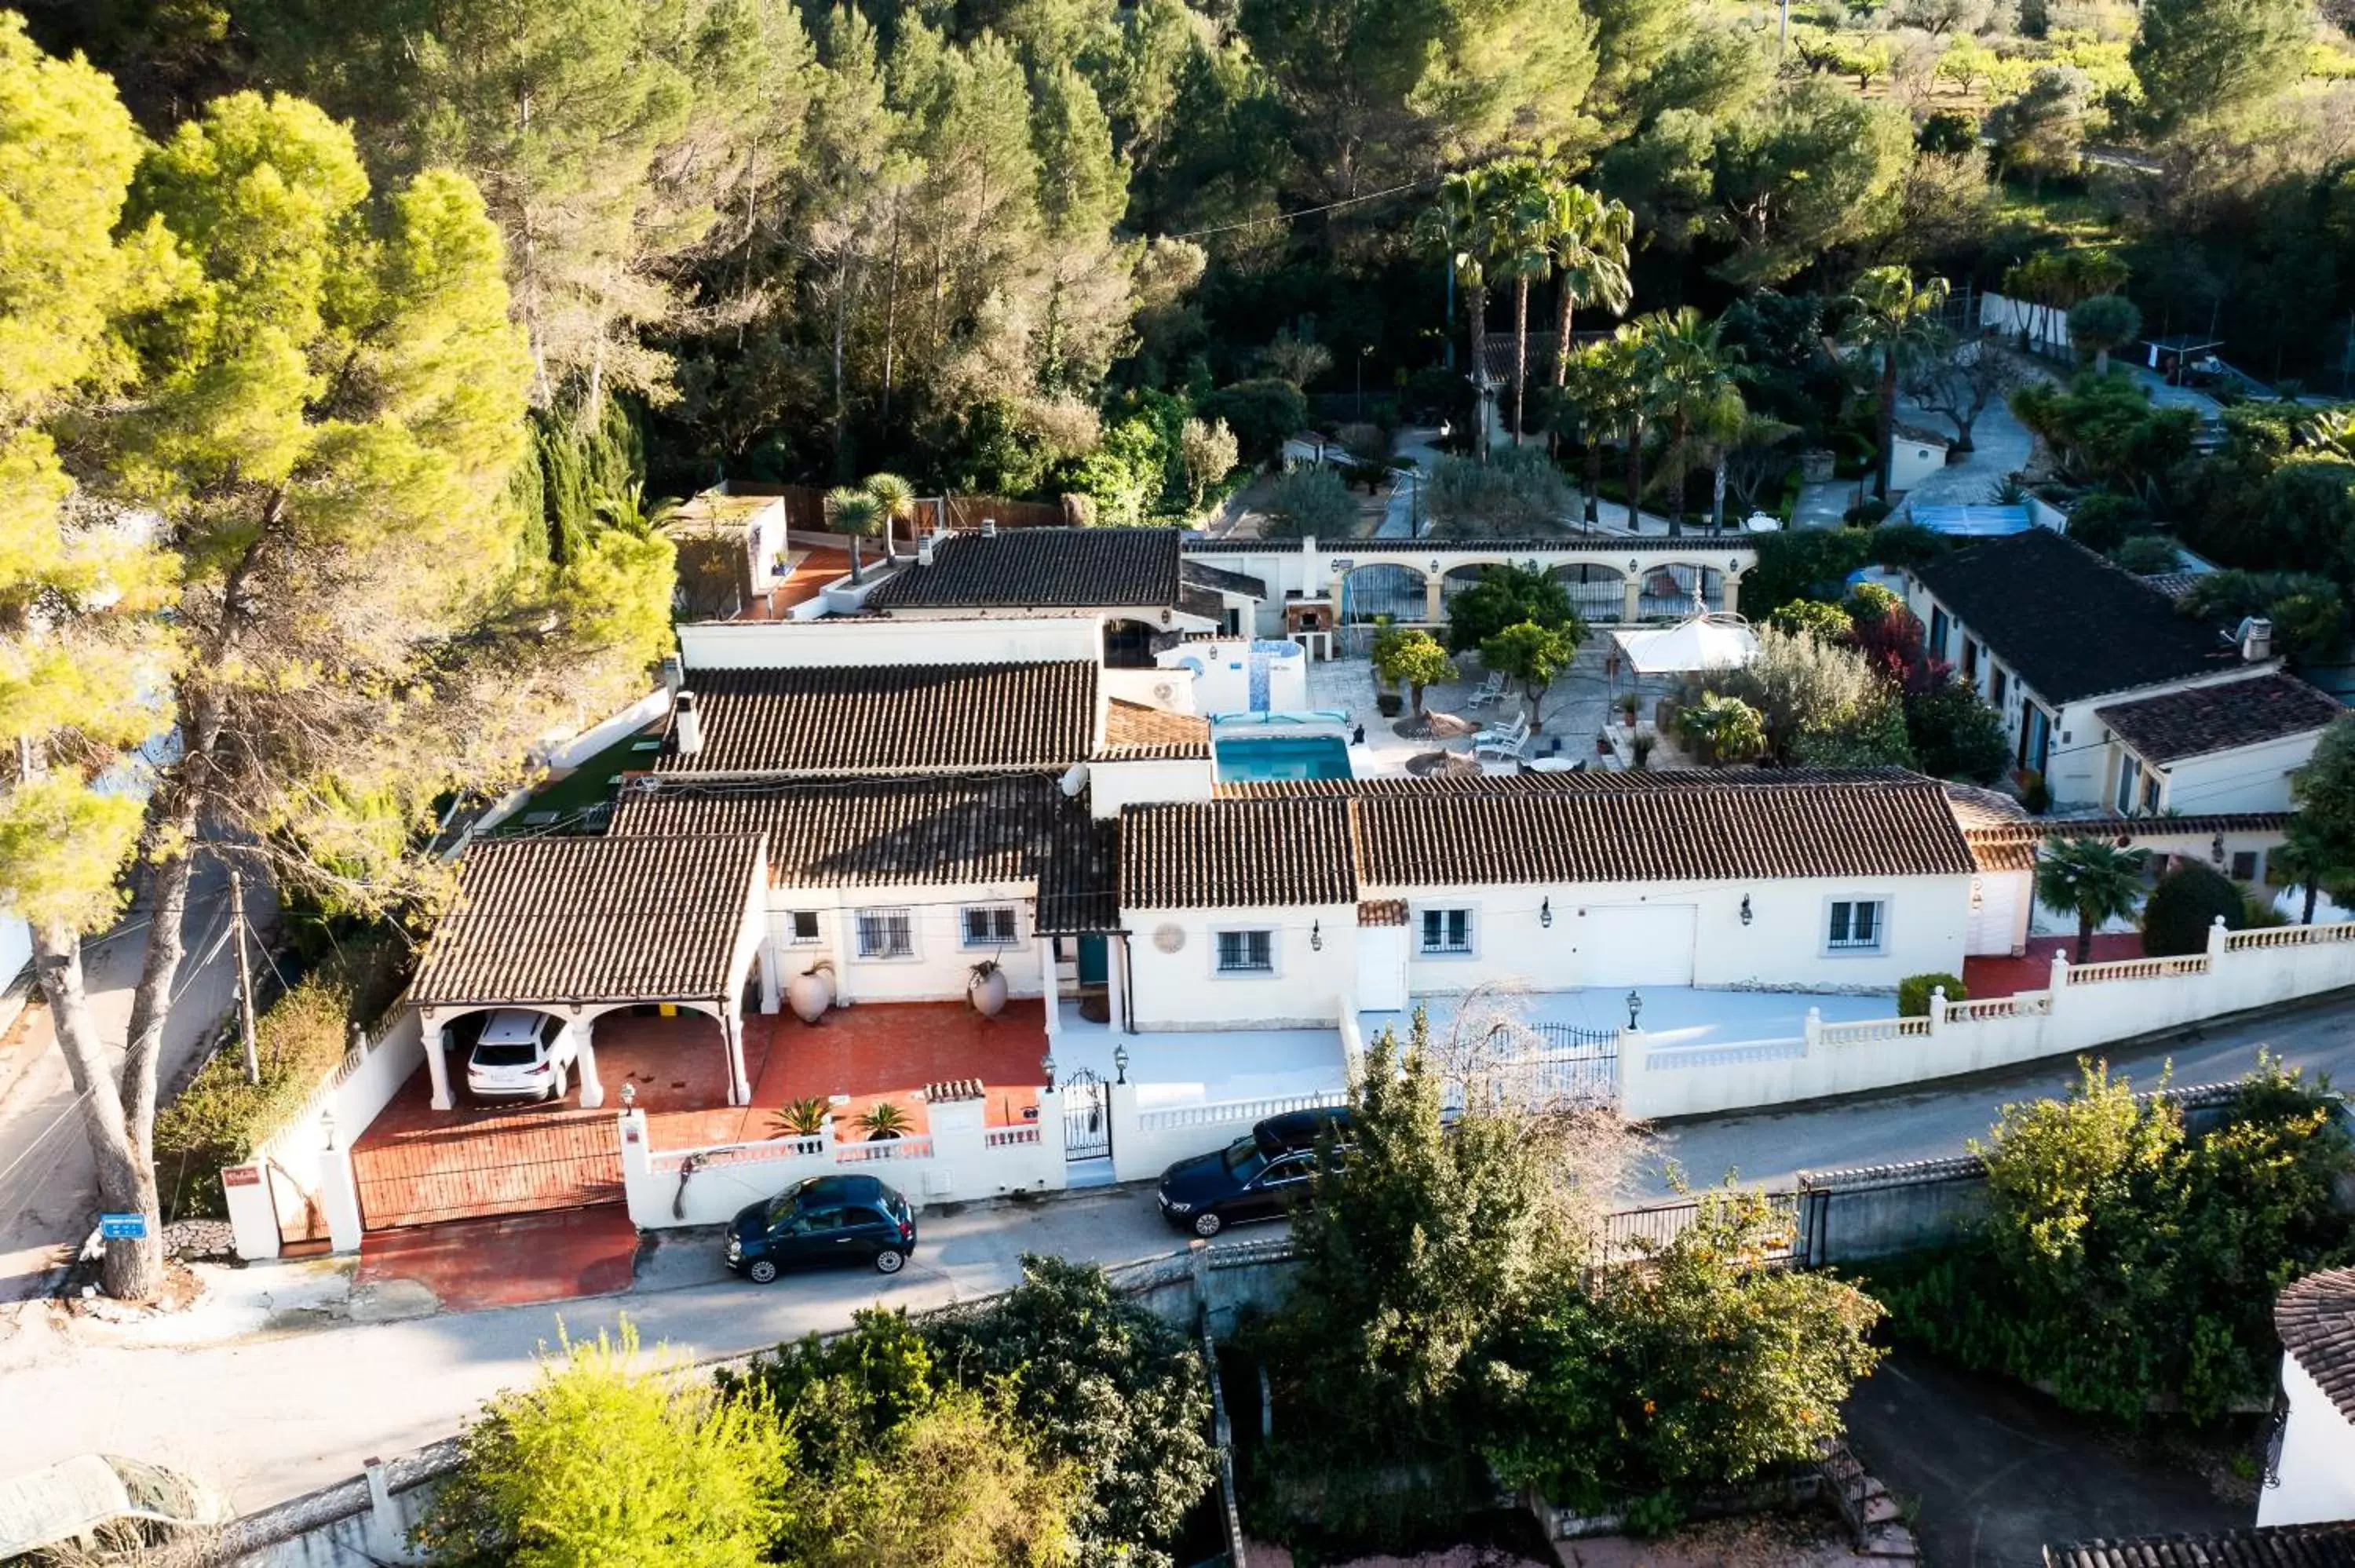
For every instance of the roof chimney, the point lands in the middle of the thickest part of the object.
(989, 527)
(685, 725)
(924, 551)
(2256, 639)
(674, 674)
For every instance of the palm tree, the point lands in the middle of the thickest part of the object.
(1602, 385)
(1590, 239)
(886, 1120)
(1458, 227)
(2090, 879)
(857, 514)
(1524, 191)
(2304, 861)
(1628, 355)
(897, 499)
(1692, 380)
(1895, 317)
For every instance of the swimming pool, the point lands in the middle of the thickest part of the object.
(1283, 756)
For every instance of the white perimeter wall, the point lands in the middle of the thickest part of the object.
(2316, 1483)
(941, 964)
(339, 1111)
(794, 645)
(2085, 1008)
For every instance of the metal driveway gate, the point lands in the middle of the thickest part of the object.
(1087, 1118)
(1567, 1063)
(516, 1164)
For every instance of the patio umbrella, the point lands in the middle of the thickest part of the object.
(1704, 642)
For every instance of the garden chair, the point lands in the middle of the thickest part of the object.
(1489, 691)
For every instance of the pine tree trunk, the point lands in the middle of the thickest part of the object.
(1887, 415)
(133, 1270)
(1520, 351)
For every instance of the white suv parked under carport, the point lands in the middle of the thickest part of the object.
(522, 1056)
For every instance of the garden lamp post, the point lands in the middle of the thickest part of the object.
(1634, 1007)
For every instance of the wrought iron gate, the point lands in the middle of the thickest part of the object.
(1565, 1063)
(1087, 1118)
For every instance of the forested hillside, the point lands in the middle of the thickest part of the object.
(970, 242)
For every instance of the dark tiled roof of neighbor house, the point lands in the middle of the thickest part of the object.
(2316, 1320)
(2192, 723)
(1136, 733)
(1322, 846)
(890, 719)
(1039, 568)
(908, 833)
(2278, 1546)
(2068, 623)
(1195, 574)
(572, 919)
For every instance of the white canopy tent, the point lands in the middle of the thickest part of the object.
(1704, 642)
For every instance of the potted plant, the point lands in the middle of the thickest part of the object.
(1642, 746)
(811, 992)
(800, 1118)
(884, 1122)
(986, 989)
(1628, 704)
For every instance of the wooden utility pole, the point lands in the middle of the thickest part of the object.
(244, 977)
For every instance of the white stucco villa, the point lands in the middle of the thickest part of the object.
(2313, 1475)
(2118, 700)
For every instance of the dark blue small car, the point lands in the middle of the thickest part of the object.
(825, 1220)
(1261, 1177)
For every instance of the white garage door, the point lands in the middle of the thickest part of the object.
(1996, 898)
(1636, 944)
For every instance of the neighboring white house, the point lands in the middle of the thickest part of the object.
(1914, 455)
(1129, 579)
(1267, 905)
(2313, 1477)
(2228, 747)
(2054, 636)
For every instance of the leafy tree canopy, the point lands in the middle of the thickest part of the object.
(1507, 596)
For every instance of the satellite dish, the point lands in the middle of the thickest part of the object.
(1164, 692)
(1074, 779)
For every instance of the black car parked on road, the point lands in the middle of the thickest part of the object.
(1260, 1177)
(824, 1220)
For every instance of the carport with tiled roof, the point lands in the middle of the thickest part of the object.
(646, 948)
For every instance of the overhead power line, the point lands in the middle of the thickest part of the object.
(1300, 212)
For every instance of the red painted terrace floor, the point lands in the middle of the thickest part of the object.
(418, 1166)
(516, 1260)
(2032, 970)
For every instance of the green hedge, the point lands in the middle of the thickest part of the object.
(221, 1118)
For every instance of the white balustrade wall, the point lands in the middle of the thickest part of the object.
(1146, 1142)
(958, 1160)
(2085, 1007)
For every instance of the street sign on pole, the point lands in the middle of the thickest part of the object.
(122, 1228)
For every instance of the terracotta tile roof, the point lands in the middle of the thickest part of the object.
(2070, 623)
(1995, 853)
(898, 832)
(1593, 782)
(593, 919)
(2279, 1546)
(1875, 829)
(1382, 912)
(1236, 855)
(1977, 808)
(2316, 1320)
(891, 719)
(2036, 830)
(1136, 733)
(1037, 569)
(2193, 723)
(1286, 844)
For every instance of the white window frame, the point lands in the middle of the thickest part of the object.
(2129, 792)
(1012, 938)
(1849, 947)
(1468, 947)
(1219, 966)
(904, 915)
(793, 937)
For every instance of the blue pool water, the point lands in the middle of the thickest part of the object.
(1285, 757)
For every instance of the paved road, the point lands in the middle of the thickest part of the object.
(290, 1408)
(49, 1195)
(1772, 1147)
(295, 1402)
